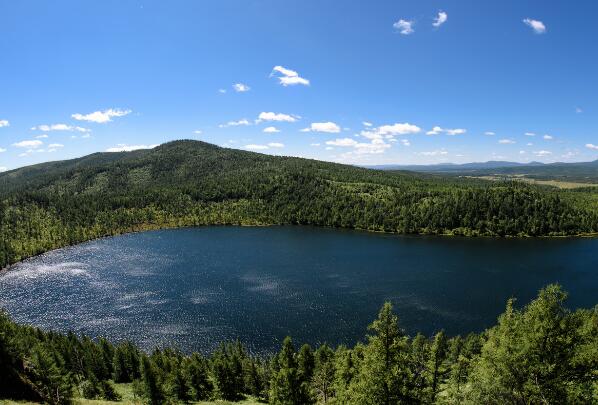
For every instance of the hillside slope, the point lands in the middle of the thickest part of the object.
(186, 183)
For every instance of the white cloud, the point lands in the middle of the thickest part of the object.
(522, 152)
(235, 123)
(530, 134)
(42, 136)
(329, 148)
(342, 142)
(434, 131)
(198, 132)
(547, 137)
(405, 27)
(578, 110)
(2, 150)
(367, 124)
(591, 146)
(121, 147)
(241, 88)
(449, 131)
(389, 131)
(3, 169)
(34, 144)
(405, 142)
(101, 117)
(55, 145)
(60, 127)
(328, 127)
(530, 144)
(537, 26)
(276, 145)
(221, 91)
(85, 136)
(271, 116)
(314, 144)
(490, 133)
(434, 153)
(288, 77)
(440, 19)
(271, 130)
(4, 123)
(542, 153)
(506, 141)
(256, 147)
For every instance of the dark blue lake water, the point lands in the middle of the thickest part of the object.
(196, 287)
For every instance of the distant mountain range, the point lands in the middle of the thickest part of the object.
(586, 172)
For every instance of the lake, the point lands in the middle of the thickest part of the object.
(195, 287)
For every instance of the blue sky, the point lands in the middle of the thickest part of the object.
(357, 82)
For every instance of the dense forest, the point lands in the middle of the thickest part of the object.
(189, 183)
(539, 354)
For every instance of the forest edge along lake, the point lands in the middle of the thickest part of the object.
(193, 288)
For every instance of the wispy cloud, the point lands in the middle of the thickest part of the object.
(328, 127)
(405, 27)
(42, 136)
(33, 144)
(101, 117)
(55, 145)
(2, 150)
(542, 153)
(121, 147)
(591, 146)
(240, 122)
(530, 134)
(548, 137)
(271, 130)
(4, 123)
(59, 127)
(506, 141)
(367, 124)
(276, 145)
(288, 77)
(490, 133)
(449, 131)
(241, 87)
(440, 19)
(536, 25)
(439, 152)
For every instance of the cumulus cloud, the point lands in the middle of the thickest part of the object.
(390, 131)
(405, 27)
(241, 87)
(537, 26)
(342, 142)
(4, 123)
(591, 146)
(59, 127)
(541, 153)
(33, 144)
(121, 147)
(440, 19)
(547, 137)
(506, 141)
(101, 117)
(271, 116)
(288, 77)
(328, 127)
(271, 130)
(243, 121)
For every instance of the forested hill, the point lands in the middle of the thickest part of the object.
(186, 183)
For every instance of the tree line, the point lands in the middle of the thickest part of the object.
(190, 183)
(542, 353)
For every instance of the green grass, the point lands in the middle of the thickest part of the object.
(126, 393)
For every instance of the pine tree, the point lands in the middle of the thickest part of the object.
(151, 385)
(286, 387)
